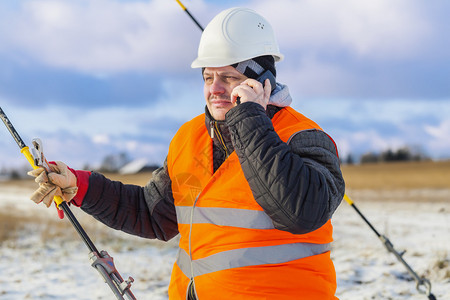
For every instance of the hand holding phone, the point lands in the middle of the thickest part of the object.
(262, 78)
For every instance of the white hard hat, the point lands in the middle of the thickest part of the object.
(235, 35)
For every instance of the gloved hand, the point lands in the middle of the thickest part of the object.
(60, 182)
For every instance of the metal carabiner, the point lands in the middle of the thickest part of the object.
(38, 154)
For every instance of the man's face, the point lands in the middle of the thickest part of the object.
(219, 82)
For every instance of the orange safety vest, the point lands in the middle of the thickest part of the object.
(229, 247)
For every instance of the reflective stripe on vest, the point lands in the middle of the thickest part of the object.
(242, 218)
(245, 257)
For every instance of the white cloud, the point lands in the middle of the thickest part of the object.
(440, 131)
(102, 139)
(391, 111)
(310, 76)
(377, 29)
(102, 36)
(440, 138)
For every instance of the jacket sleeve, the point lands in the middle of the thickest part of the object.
(144, 211)
(299, 185)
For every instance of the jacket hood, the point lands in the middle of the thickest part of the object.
(280, 96)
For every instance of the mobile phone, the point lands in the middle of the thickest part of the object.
(268, 75)
(262, 78)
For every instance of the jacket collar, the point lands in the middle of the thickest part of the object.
(221, 137)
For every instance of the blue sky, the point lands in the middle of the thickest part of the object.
(98, 77)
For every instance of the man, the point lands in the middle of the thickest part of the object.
(250, 185)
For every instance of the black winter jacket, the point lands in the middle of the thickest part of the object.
(299, 198)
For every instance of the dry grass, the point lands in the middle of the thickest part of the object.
(10, 225)
(138, 179)
(13, 224)
(48, 229)
(404, 175)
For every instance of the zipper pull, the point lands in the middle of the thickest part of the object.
(211, 124)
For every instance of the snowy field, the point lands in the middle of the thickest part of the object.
(47, 260)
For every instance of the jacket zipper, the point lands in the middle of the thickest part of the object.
(215, 129)
(192, 282)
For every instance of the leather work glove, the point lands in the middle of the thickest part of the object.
(60, 182)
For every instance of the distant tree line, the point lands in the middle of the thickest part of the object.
(113, 162)
(389, 155)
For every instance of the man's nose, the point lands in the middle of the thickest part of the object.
(217, 87)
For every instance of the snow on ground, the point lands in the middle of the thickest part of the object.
(47, 260)
(366, 270)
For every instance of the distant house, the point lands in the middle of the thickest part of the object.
(137, 166)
